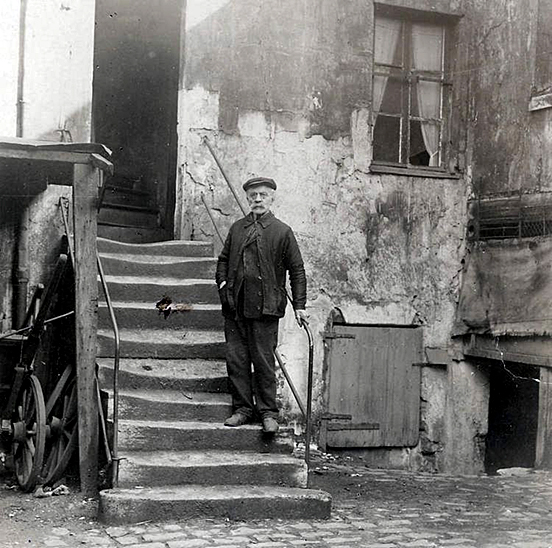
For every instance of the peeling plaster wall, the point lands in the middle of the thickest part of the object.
(289, 97)
(57, 94)
(509, 144)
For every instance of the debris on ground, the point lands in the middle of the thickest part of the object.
(43, 492)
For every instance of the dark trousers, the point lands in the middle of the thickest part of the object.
(252, 342)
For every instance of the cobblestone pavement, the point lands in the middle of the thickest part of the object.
(371, 509)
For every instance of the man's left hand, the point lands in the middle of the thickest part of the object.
(302, 317)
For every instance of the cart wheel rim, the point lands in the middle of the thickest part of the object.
(62, 419)
(29, 422)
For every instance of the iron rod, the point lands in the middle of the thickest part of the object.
(290, 382)
(208, 145)
(117, 341)
(211, 217)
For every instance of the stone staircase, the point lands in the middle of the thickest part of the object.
(128, 212)
(179, 461)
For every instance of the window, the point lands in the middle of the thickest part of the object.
(410, 92)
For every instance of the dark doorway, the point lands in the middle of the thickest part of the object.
(513, 416)
(136, 76)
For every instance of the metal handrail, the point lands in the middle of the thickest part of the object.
(307, 413)
(117, 340)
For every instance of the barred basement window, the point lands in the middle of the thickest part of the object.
(410, 91)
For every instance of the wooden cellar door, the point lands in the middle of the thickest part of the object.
(374, 387)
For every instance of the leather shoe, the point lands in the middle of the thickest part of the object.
(270, 425)
(237, 419)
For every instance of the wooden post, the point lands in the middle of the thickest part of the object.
(85, 194)
(543, 457)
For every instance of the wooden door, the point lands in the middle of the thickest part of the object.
(374, 387)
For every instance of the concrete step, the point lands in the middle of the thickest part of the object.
(119, 506)
(129, 217)
(138, 289)
(153, 374)
(174, 248)
(172, 405)
(134, 315)
(133, 234)
(155, 266)
(163, 344)
(200, 467)
(144, 435)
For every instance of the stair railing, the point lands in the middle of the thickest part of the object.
(306, 412)
(115, 459)
(112, 453)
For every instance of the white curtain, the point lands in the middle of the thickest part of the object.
(385, 44)
(427, 47)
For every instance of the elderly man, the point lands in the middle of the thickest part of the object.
(251, 278)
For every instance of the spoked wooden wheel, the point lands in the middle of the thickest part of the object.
(29, 433)
(62, 431)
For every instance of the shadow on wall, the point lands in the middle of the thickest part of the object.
(309, 58)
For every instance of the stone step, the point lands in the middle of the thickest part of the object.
(172, 405)
(174, 248)
(129, 217)
(133, 234)
(120, 506)
(138, 289)
(200, 467)
(179, 374)
(163, 344)
(142, 435)
(134, 315)
(158, 266)
(120, 196)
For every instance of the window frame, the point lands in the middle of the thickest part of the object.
(407, 17)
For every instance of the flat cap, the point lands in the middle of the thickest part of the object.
(256, 181)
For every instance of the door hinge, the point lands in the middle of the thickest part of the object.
(332, 335)
(337, 426)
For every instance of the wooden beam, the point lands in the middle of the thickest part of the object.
(46, 155)
(100, 162)
(85, 194)
(508, 351)
(543, 457)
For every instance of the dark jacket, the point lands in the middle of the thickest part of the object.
(278, 253)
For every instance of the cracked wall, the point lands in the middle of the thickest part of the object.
(290, 98)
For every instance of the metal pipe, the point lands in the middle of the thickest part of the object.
(20, 106)
(208, 145)
(22, 271)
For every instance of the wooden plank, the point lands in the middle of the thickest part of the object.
(100, 162)
(543, 457)
(46, 155)
(374, 379)
(85, 192)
